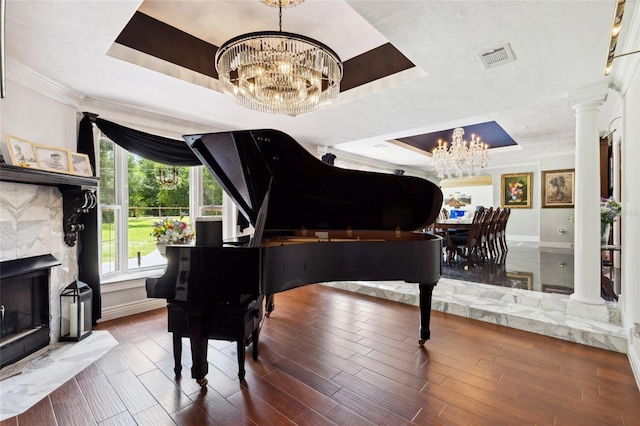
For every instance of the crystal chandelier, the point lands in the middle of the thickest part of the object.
(279, 72)
(168, 177)
(284, 3)
(460, 158)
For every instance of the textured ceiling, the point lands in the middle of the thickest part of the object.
(559, 46)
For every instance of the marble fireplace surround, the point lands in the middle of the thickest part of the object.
(35, 206)
(31, 225)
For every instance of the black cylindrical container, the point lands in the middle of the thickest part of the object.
(209, 231)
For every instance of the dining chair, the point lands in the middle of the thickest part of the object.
(465, 245)
(491, 236)
(476, 216)
(483, 237)
(502, 229)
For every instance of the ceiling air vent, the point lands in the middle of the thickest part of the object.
(495, 57)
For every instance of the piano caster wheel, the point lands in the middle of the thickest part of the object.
(202, 382)
(421, 342)
(178, 371)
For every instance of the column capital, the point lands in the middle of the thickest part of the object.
(595, 94)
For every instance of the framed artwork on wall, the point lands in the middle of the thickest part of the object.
(53, 158)
(22, 152)
(457, 200)
(516, 191)
(558, 188)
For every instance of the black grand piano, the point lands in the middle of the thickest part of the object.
(313, 223)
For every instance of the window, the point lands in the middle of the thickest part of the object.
(211, 204)
(132, 198)
(109, 209)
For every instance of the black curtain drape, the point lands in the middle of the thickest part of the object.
(156, 148)
(88, 260)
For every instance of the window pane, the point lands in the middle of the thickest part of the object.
(109, 241)
(149, 201)
(107, 172)
(211, 195)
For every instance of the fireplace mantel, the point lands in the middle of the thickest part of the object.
(78, 193)
(9, 173)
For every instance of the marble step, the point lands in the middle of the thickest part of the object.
(536, 312)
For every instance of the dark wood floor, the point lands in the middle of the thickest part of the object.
(331, 357)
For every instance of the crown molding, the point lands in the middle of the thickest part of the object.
(31, 79)
(146, 120)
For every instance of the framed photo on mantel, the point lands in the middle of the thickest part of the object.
(558, 188)
(53, 158)
(22, 152)
(81, 164)
(516, 191)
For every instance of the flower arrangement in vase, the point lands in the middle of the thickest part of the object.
(516, 190)
(172, 231)
(610, 209)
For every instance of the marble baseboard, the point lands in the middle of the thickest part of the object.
(536, 312)
(53, 367)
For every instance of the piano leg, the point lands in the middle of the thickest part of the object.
(244, 340)
(199, 345)
(241, 370)
(269, 304)
(177, 353)
(426, 291)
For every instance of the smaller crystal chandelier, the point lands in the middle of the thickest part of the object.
(282, 3)
(168, 177)
(460, 158)
(279, 72)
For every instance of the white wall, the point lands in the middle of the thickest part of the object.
(630, 220)
(37, 118)
(554, 219)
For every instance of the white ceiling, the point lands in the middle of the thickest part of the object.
(560, 46)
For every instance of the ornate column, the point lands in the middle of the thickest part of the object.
(585, 300)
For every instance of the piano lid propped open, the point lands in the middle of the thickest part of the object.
(304, 192)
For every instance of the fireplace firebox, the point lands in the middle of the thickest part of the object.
(24, 306)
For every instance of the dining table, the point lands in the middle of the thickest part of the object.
(453, 224)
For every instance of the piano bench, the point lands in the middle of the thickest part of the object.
(239, 322)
